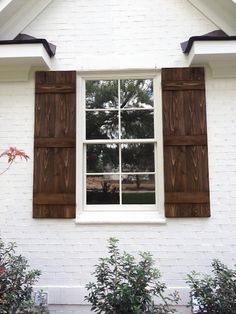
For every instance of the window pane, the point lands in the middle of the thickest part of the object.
(102, 158)
(101, 125)
(101, 94)
(137, 124)
(138, 189)
(137, 157)
(103, 189)
(136, 93)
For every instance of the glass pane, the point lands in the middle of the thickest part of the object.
(101, 94)
(103, 189)
(137, 157)
(102, 158)
(101, 125)
(137, 124)
(136, 93)
(138, 189)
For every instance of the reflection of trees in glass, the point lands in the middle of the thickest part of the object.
(101, 94)
(138, 189)
(136, 93)
(138, 157)
(137, 122)
(102, 189)
(101, 125)
(102, 158)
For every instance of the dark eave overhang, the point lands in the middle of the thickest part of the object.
(216, 50)
(26, 39)
(217, 35)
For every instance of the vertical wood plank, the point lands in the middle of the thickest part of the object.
(185, 165)
(54, 165)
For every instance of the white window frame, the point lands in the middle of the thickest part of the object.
(118, 214)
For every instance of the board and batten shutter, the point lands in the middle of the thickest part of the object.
(54, 145)
(185, 143)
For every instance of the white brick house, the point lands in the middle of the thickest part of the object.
(117, 40)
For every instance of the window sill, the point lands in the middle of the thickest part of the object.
(120, 217)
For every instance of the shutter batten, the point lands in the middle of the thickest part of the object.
(183, 85)
(54, 142)
(51, 199)
(55, 138)
(197, 140)
(185, 143)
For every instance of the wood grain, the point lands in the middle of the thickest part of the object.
(182, 85)
(185, 143)
(54, 199)
(197, 140)
(54, 211)
(55, 140)
(187, 210)
(186, 197)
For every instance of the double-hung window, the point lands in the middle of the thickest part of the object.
(119, 148)
(108, 126)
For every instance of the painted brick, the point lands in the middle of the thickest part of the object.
(98, 35)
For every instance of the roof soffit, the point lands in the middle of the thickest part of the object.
(15, 15)
(221, 12)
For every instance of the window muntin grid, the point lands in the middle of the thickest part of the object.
(120, 142)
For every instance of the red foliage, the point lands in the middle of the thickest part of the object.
(13, 152)
(2, 269)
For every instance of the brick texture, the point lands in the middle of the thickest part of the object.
(114, 34)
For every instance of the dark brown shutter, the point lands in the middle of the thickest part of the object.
(54, 145)
(185, 143)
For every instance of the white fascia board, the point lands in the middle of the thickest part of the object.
(220, 56)
(21, 18)
(24, 54)
(205, 51)
(222, 13)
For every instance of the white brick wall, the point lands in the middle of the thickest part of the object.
(112, 34)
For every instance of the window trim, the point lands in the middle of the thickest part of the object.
(119, 214)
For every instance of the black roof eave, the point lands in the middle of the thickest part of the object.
(186, 46)
(51, 49)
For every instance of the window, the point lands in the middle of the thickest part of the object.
(120, 139)
(116, 146)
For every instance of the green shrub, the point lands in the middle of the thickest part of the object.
(124, 286)
(214, 294)
(16, 283)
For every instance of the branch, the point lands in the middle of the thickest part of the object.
(10, 164)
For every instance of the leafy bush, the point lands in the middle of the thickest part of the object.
(128, 287)
(214, 294)
(16, 283)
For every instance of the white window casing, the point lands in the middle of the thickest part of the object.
(118, 214)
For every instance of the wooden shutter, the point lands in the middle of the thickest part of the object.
(185, 143)
(54, 145)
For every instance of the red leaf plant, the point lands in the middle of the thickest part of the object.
(2, 269)
(12, 153)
